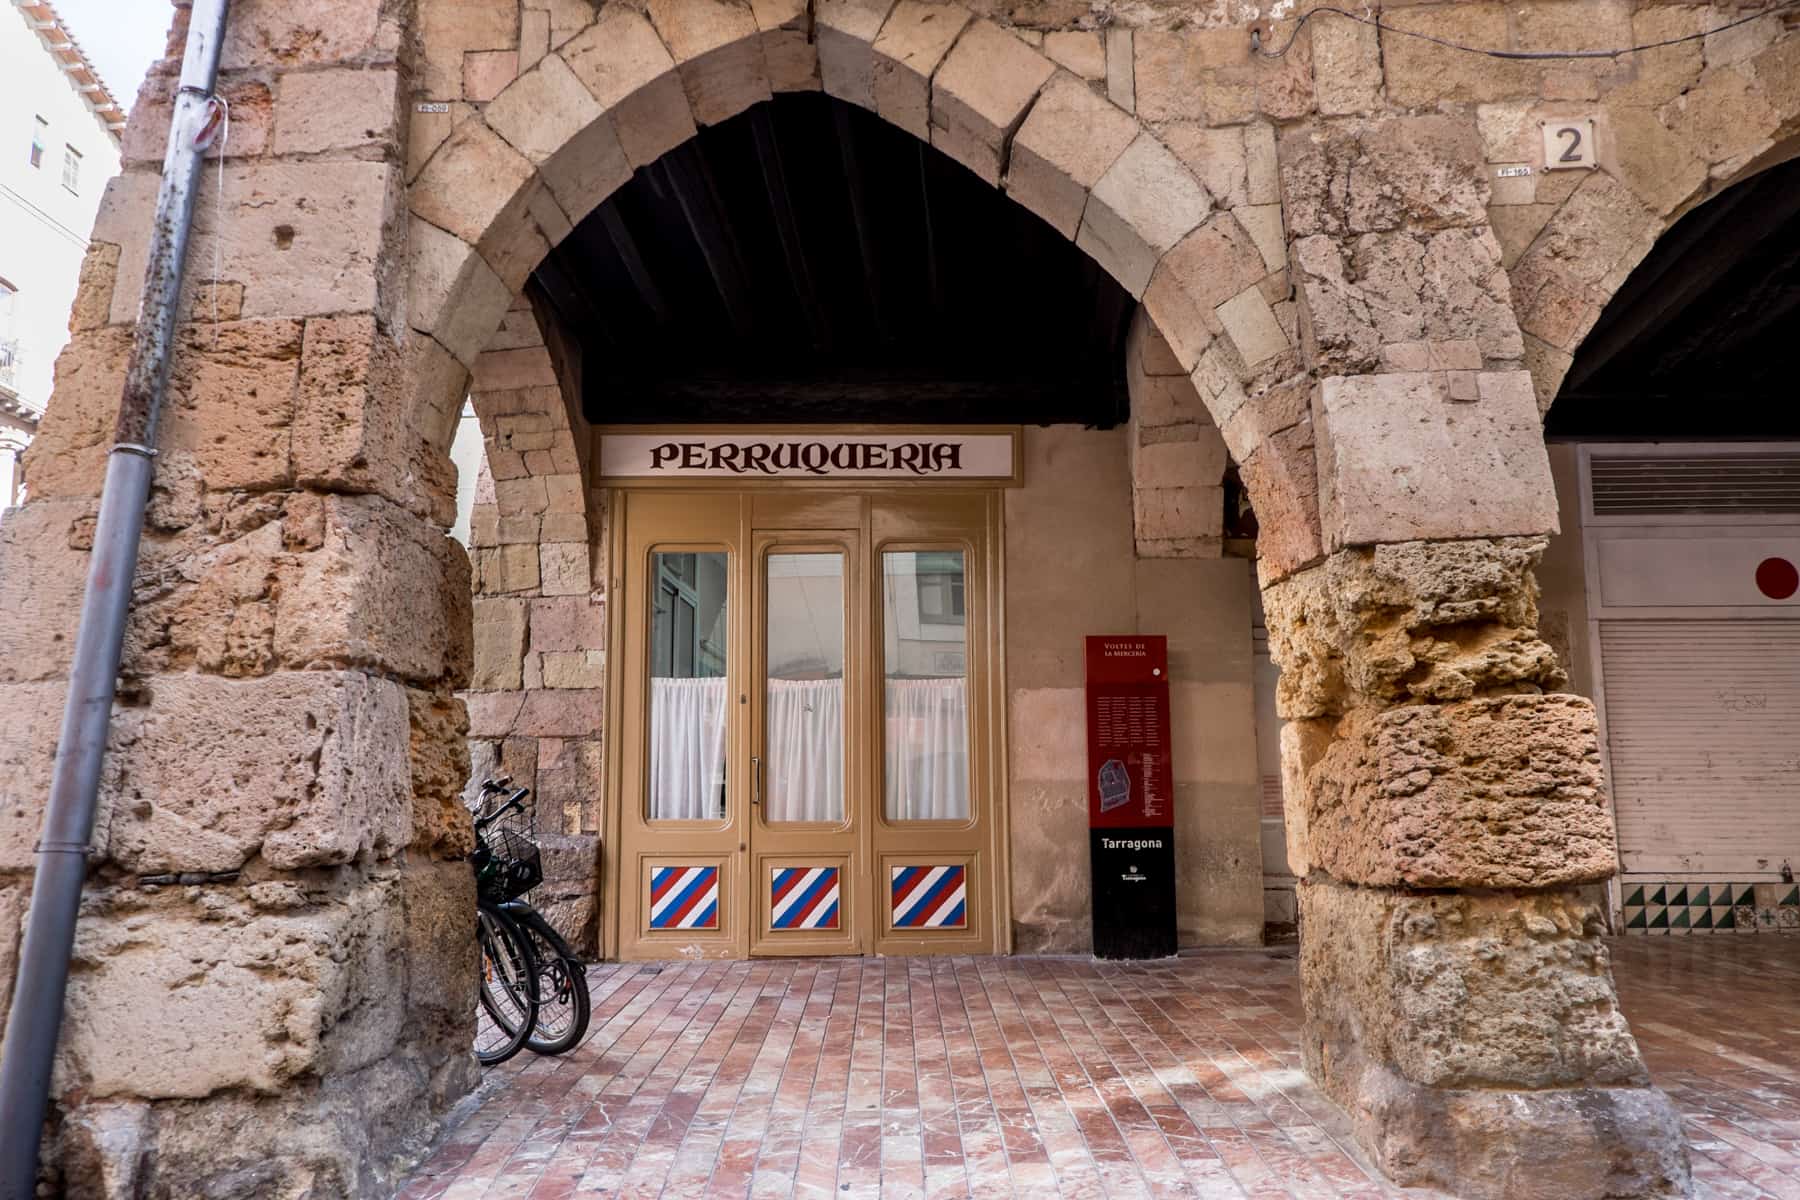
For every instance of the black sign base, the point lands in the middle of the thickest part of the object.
(1134, 892)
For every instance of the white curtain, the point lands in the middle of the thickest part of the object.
(927, 750)
(805, 771)
(687, 749)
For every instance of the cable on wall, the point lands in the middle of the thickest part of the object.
(1378, 23)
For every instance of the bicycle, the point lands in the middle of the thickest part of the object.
(563, 1005)
(506, 866)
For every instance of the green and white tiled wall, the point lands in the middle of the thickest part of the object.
(1669, 907)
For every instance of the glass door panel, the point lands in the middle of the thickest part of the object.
(804, 718)
(926, 699)
(689, 640)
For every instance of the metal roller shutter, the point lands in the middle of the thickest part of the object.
(1703, 729)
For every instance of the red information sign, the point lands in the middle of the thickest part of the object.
(1130, 782)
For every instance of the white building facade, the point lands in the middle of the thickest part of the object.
(59, 144)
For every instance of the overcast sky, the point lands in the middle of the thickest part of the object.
(120, 37)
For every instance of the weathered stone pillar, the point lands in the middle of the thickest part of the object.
(1445, 804)
(274, 969)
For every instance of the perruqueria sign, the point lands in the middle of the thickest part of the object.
(750, 456)
(1131, 791)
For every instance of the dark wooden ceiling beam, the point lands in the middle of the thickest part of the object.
(857, 188)
(787, 226)
(685, 172)
(625, 247)
(556, 277)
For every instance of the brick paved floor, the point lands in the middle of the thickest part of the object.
(1041, 1077)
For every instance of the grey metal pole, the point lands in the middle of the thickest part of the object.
(36, 1017)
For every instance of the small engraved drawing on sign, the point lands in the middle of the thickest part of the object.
(1115, 785)
(1569, 144)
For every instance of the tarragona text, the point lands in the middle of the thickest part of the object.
(812, 458)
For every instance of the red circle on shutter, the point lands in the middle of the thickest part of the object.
(1777, 578)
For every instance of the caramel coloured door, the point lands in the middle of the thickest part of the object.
(682, 797)
(809, 752)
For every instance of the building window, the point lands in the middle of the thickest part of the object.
(939, 575)
(37, 141)
(72, 168)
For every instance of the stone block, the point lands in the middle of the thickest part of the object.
(1080, 51)
(1346, 66)
(1383, 174)
(305, 239)
(1398, 463)
(1144, 204)
(1282, 481)
(453, 295)
(1421, 74)
(1064, 148)
(1251, 325)
(1121, 68)
(846, 31)
(383, 590)
(268, 33)
(353, 429)
(43, 576)
(1268, 412)
(1493, 793)
(718, 54)
(325, 111)
(789, 52)
(561, 712)
(563, 568)
(1557, 1144)
(500, 626)
(627, 69)
(1456, 990)
(438, 758)
(1410, 623)
(1192, 516)
(277, 995)
(304, 769)
(980, 96)
(1209, 266)
(574, 669)
(543, 109)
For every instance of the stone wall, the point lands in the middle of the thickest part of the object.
(273, 973)
(1369, 313)
(1072, 570)
(536, 693)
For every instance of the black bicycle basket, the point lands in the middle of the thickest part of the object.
(507, 865)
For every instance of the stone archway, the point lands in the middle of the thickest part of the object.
(294, 890)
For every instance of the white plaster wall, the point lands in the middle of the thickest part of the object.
(44, 227)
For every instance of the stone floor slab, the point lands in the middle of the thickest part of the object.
(977, 1077)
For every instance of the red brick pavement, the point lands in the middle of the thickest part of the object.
(1039, 1077)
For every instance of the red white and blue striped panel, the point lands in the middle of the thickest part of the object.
(684, 897)
(930, 897)
(804, 898)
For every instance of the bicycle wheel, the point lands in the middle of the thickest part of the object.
(507, 1001)
(562, 992)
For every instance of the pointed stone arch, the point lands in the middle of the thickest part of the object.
(504, 184)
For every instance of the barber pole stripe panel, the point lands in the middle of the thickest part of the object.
(930, 897)
(684, 897)
(803, 898)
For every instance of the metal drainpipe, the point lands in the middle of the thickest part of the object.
(37, 1005)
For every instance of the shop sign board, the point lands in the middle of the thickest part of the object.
(797, 454)
(1131, 796)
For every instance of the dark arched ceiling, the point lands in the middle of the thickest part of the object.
(808, 261)
(1701, 342)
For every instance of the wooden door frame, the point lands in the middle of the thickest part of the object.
(993, 702)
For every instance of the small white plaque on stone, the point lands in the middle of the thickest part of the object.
(1569, 144)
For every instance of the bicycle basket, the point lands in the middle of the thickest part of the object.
(507, 866)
